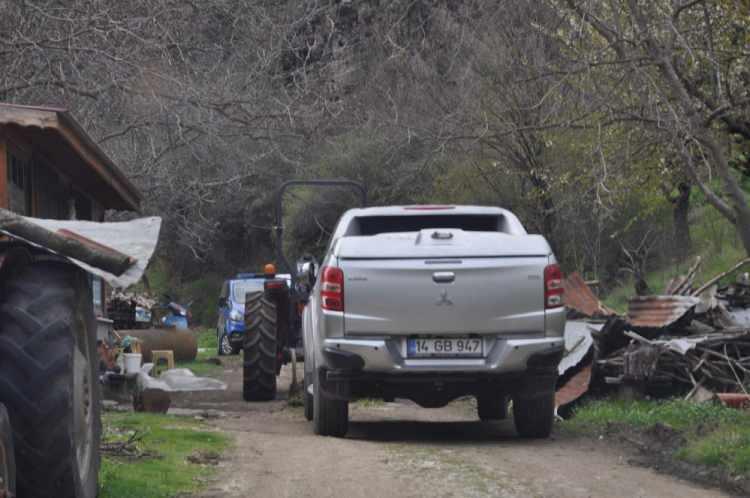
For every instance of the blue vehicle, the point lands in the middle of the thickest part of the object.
(178, 316)
(230, 329)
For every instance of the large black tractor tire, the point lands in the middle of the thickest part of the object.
(492, 407)
(259, 349)
(330, 416)
(7, 456)
(308, 398)
(534, 416)
(48, 379)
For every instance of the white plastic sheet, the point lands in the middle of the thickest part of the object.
(136, 238)
(178, 380)
(578, 342)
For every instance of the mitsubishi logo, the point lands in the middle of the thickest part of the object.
(444, 299)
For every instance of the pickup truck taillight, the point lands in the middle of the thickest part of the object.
(553, 286)
(332, 289)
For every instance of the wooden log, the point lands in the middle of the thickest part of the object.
(80, 248)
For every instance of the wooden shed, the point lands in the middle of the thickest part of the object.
(50, 168)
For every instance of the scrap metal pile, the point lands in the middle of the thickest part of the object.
(690, 341)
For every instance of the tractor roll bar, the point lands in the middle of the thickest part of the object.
(279, 228)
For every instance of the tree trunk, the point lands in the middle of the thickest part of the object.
(681, 207)
(733, 190)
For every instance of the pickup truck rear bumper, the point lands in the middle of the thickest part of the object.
(345, 377)
(388, 356)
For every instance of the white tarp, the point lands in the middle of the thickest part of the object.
(177, 380)
(578, 342)
(136, 238)
(683, 344)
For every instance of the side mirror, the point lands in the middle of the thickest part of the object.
(222, 302)
(308, 271)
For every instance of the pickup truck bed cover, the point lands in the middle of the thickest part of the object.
(441, 243)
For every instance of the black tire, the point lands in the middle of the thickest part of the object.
(534, 416)
(219, 337)
(227, 349)
(48, 379)
(492, 407)
(259, 349)
(309, 402)
(7, 456)
(330, 416)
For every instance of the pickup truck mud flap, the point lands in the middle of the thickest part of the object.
(541, 374)
(335, 381)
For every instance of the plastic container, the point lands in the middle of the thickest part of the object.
(132, 362)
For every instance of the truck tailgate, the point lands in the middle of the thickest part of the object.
(440, 296)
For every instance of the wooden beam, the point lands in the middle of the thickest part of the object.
(130, 198)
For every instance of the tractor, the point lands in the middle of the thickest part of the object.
(273, 317)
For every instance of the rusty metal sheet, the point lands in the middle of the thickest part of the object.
(576, 387)
(579, 297)
(656, 312)
(735, 400)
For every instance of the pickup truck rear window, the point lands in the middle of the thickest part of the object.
(373, 225)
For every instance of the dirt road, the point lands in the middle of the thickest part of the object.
(399, 450)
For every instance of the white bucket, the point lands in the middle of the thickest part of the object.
(132, 362)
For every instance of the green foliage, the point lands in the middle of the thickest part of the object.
(202, 366)
(714, 239)
(204, 295)
(715, 435)
(165, 474)
(201, 293)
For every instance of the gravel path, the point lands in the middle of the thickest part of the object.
(399, 450)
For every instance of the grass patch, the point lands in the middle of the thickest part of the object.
(715, 435)
(201, 366)
(172, 439)
(370, 402)
(207, 339)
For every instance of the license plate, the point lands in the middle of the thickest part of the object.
(452, 347)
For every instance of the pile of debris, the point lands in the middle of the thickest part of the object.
(689, 341)
(129, 310)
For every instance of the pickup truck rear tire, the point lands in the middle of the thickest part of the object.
(259, 349)
(534, 416)
(492, 407)
(330, 416)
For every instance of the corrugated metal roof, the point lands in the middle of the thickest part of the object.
(655, 312)
(579, 297)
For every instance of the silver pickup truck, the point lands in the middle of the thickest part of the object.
(431, 303)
